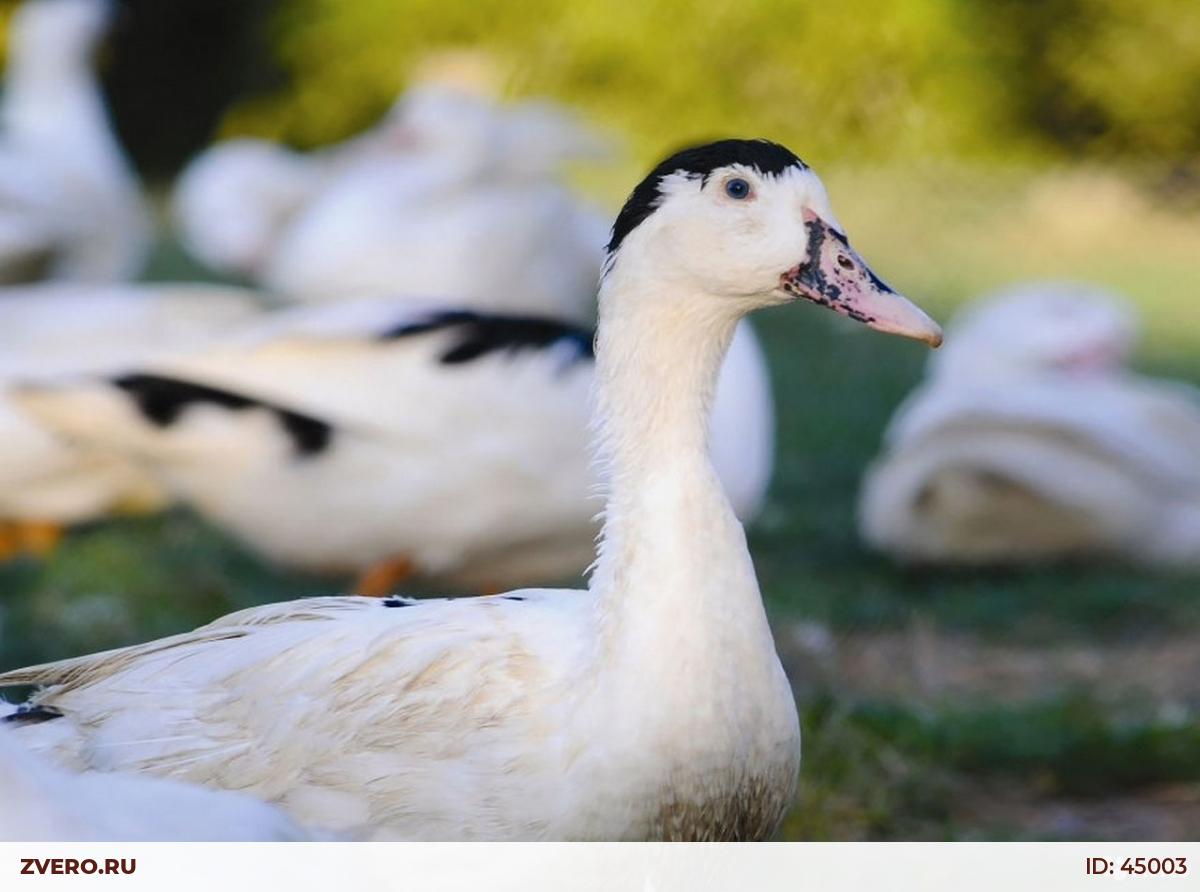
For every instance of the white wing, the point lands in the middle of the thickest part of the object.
(59, 328)
(41, 802)
(351, 714)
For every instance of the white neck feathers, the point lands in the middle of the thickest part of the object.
(673, 575)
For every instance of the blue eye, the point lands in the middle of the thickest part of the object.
(737, 188)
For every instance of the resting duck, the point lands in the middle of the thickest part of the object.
(234, 199)
(47, 482)
(472, 213)
(651, 705)
(384, 438)
(1032, 441)
(291, 221)
(43, 802)
(70, 207)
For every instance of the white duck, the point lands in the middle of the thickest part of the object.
(47, 482)
(70, 207)
(234, 199)
(42, 802)
(259, 210)
(384, 438)
(471, 214)
(1031, 441)
(650, 706)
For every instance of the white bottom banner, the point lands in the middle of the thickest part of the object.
(599, 867)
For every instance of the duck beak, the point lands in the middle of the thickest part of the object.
(835, 276)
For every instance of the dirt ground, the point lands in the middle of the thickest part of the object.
(923, 665)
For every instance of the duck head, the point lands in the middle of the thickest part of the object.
(745, 224)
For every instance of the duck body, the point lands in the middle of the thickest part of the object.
(43, 802)
(651, 705)
(450, 196)
(235, 200)
(232, 201)
(427, 228)
(486, 729)
(1040, 446)
(337, 438)
(455, 198)
(54, 329)
(46, 480)
(60, 327)
(70, 206)
(1047, 471)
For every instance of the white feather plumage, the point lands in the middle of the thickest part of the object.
(234, 199)
(57, 329)
(470, 212)
(1031, 441)
(70, 206)
(40, 801)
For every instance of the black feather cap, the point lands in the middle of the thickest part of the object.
(761, 155)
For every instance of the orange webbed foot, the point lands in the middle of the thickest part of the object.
(382, 579)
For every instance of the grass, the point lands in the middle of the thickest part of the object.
(887, 770)
(876, 765)
(130, 580)
(810, 561)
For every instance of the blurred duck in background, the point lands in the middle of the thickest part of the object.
(474, 214)
(48, 482)
(385, 438)
(232, 201)
(40, 801)
(70, 206)
(451, 196)
(1031, 440)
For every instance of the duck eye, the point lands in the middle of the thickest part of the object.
(737, 188)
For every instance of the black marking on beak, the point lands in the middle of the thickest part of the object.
(824, 292)
(811, 273)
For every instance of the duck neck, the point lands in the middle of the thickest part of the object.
(673, 576)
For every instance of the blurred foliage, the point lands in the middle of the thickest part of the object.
(1101, 76)
(888, 78)
(172, 69)
(868, 80)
